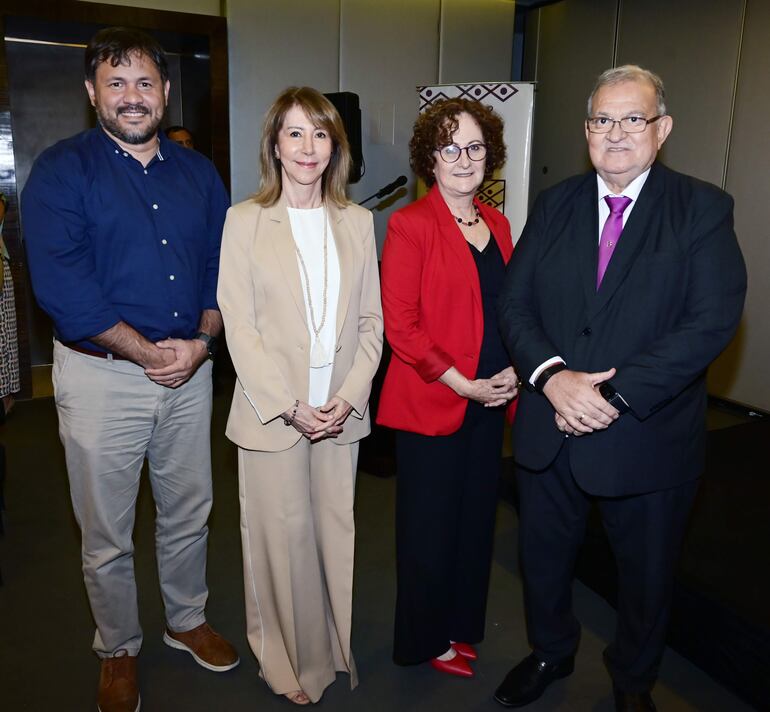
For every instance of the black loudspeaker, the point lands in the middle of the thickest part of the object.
(346, 103)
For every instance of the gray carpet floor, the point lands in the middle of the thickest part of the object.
(46, 629)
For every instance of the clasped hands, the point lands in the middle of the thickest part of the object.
(174, 361)
(579, 406)
(494, 391)
(322, 422)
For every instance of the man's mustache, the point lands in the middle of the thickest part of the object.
(135, 108)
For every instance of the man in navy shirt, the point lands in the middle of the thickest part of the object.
(123, 230)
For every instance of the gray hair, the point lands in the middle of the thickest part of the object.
(630, 73)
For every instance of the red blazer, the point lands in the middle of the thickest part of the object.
(431, 301)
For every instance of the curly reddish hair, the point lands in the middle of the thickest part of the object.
(435, 126)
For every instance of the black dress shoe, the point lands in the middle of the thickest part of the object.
(528, 680)
(633, 701)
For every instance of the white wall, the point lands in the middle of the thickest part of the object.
(274, 44)
(381, 50)
(387, 49)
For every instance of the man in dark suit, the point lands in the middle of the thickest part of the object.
(626, 284)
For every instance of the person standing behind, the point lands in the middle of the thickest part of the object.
(181, 135)
(626, 284)
(300, 297)
(123, 229)
(443, 264)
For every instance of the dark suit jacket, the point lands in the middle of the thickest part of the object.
(669, 303)
(431, 301)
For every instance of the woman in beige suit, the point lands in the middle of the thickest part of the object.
(299, 293)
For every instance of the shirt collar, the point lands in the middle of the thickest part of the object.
(632, 190)
(162, 152)
(164, 146)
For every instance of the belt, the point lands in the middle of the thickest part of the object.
(98, 354)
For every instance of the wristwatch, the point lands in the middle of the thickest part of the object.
(608, 392)
(212, 344)
(546, 374)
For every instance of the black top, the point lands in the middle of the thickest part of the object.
(489, 262)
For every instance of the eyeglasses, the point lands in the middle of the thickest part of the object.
(452, 152)
(629, 124)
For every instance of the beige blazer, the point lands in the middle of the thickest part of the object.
(263, 307)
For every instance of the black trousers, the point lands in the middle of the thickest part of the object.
(645, 532)
(446, 498)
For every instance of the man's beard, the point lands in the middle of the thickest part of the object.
(133, 137)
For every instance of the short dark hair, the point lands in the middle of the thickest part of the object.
(116, 45)
(435, 126)
(174, 129)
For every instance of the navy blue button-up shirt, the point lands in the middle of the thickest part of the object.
(109, 240)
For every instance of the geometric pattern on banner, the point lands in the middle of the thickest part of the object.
(492, 192)
(479, 92)
(429, 96)
(501, 92)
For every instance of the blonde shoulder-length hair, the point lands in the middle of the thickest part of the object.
(323, 115)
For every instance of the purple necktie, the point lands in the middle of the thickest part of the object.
(610, 234)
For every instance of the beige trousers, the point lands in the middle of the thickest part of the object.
(298, 537)
(112, 417)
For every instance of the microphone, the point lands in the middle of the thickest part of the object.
(387, 190)
(390, 187)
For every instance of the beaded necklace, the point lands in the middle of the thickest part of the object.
(469, 223)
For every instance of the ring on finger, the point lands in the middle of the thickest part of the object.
(581, 416)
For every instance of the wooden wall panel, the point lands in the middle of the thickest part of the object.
(741, 374)
(693, 46)
(575, 44)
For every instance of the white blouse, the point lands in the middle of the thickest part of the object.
(308, 231)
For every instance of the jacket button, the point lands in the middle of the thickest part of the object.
(587, 331)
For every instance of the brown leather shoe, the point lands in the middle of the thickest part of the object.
(118, 691)
(208, 648)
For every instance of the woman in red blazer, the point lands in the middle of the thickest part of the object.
(447, 384)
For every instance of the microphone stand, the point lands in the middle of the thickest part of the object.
(372, 197)
(387, 190)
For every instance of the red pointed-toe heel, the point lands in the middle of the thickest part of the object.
(466, 650)
(456, 666)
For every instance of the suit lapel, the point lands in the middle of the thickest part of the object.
(585, 223)
(285, 250)
(343, 241)
(631, 240)
(452, 237)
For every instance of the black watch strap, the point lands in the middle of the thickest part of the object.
(211, 342)
(546, 374)
(608, 392)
